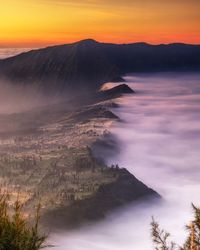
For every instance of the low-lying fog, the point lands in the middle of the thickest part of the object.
(8, 52)
(160, 145)
(16, 98)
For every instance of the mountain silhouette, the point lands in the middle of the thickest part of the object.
(87, 64)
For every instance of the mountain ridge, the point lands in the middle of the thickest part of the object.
(87, 64)
(91, 40)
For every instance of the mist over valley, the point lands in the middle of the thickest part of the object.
(105, 136)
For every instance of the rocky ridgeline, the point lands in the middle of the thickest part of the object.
(46, 155)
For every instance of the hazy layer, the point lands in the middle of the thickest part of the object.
(8, 52)
(19, 98)
(160, 144)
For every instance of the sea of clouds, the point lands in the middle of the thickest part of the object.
(159, 141)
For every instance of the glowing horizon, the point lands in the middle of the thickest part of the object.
(39, 23)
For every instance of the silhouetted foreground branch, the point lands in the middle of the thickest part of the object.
(161, 238)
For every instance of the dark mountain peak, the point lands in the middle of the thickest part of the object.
(120, 89)
(140, 44)
(88, 42)
(87, 64)
(179, 44)
(182, 45)
(114, 92)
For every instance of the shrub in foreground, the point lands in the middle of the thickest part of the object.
(15, 230)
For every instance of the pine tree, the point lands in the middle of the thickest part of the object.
(161, 238)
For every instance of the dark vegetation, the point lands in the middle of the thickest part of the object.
(16, 232)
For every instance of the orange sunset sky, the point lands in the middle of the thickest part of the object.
(36, 23)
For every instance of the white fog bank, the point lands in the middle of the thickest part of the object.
(160, 145)
(9, 52)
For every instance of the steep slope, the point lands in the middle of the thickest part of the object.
(87, 64)
(45, 155)
(77, 65)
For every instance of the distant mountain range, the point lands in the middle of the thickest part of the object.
(87, 64)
